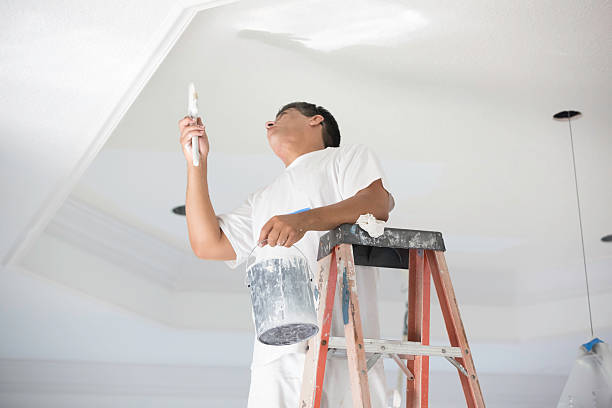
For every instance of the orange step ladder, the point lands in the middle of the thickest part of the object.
(422, 253)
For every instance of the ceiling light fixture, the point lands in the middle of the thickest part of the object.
(180, 210)
(567, 116)
(589, 382)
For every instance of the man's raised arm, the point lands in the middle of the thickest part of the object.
(205, 236)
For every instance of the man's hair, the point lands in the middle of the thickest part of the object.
(329, 126)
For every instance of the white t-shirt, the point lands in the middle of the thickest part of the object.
(315, 179)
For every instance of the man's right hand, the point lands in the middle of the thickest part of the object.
(188, 129)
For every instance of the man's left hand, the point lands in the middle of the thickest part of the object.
(284, 230)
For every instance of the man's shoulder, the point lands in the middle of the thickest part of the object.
(353, 149)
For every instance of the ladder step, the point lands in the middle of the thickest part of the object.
(402, 348)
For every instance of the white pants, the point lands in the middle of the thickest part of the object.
(278, 384)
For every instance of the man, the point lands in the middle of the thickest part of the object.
(336, 185)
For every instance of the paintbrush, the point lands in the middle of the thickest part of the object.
(193, 114)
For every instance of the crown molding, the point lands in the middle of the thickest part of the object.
(95, 232)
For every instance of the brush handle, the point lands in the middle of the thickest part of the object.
(195, 149)
(193, 113)
(195, 144)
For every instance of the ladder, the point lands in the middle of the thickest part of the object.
(422, 253)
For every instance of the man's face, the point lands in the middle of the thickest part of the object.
(288, 123)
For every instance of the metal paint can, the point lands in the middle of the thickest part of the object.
(280, 282)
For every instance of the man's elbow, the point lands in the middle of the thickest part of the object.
(380, 208)
(220, 250)
(376, 199)
(199, 251)
(203, 250)
(381, 214)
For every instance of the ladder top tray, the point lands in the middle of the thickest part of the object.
(392, 238)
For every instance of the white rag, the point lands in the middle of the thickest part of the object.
(371, 225)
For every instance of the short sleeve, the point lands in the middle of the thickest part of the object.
(237, 227)
(358, 168)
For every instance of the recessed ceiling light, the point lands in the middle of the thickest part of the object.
(180, 210)
(566, 115)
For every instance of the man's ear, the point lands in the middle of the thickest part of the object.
(315, 120)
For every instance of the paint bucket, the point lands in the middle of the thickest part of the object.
(281, 283)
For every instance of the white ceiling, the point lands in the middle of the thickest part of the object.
(458, 107)
(456, 98)
(467, 139)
